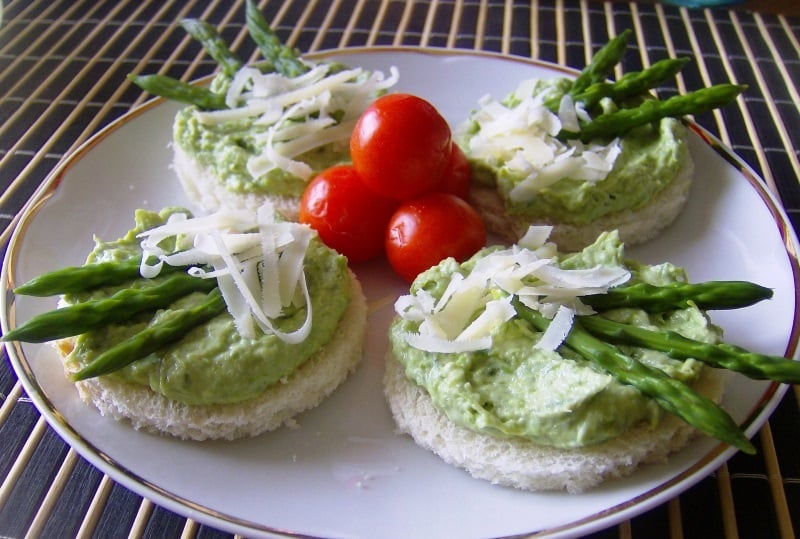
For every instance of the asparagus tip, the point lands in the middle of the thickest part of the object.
(746, 446)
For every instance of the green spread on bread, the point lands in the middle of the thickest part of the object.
(267, 128)
(586, 154)
(546, 396)
(250, 342)
(541, 177)
(530, 343)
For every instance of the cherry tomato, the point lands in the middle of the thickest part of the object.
(424, 231)
(347, 216)
(400, 146)
(457, 176)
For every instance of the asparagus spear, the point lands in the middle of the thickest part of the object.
(214, 45)
(621, 121)
(116, 309)
(709, 295)
(283, 59)
(631, 84)
(726, 356)
(602, 63)
(153, 337)
(75, 279)
(180, 91)
(286, 60)
(671, 394)
(596, 71)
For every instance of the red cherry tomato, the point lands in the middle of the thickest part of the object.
(457, 176)
(424, 231)
(400, 146)
(347, 216)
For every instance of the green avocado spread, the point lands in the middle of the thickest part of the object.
(225, 149)
(651, 157)
(553, 398)
(214, 363)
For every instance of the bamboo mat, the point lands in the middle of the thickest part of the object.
(63, 67)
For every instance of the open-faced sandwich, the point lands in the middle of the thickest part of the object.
(586, 154)
(549, 371)
(221, 326)
(262, 131)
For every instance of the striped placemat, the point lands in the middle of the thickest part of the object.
(63, 68)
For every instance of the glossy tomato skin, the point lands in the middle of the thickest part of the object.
(401, 146)
(347, 216)
(457, 176)
(424, 231)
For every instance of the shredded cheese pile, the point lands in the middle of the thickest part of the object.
(301, 113)
(528, 271)
(257, 261)
(522, 139)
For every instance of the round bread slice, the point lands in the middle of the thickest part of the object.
(206, 190)
(634, 226)
(304, 389)
(526, 465)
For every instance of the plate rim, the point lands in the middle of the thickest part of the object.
(181, 505)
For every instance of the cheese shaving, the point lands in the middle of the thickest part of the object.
(300, 114)
(258, 263)
(519, 136)
(558, 329)
(474, 305)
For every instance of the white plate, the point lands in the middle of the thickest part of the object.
(344, 472)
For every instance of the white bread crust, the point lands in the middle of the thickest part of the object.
(206, 190)
(634, 226)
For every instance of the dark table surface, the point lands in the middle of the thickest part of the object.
(63, 67)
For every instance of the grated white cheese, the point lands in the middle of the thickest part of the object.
(257, 261)
(521, 139)
(470, 309)
(558, 329)
(300, 114)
